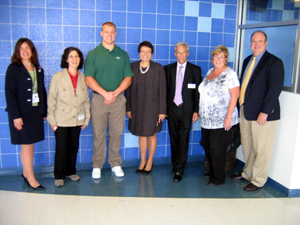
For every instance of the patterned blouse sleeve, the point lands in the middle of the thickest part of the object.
(233, 80)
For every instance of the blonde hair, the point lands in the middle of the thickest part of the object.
(218, 50)
(108, 24)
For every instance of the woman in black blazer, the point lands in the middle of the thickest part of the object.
(26, 104)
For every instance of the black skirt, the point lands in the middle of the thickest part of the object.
(32, 130)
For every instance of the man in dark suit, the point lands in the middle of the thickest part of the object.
(262, 81)
(183, 79)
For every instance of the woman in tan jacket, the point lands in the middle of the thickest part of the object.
(68, 113)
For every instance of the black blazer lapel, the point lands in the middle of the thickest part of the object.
(260, 65)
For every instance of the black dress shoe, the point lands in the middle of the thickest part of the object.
(237, 177)
(206, 175)
(251, 187)
(40, 187)
(177, 177)
(146, 171)
(213, 184)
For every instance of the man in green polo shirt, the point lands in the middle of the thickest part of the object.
(108, 73)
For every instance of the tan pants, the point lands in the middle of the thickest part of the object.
(114, 115)
(257, 143)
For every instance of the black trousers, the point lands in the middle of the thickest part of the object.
(215, 143)
(179, 130)
(67, 143)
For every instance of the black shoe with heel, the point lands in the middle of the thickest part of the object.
(40, 187)
(146, 171)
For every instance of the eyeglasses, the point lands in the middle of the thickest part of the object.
(219, 57)
(148, 52)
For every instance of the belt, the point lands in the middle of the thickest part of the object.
(96, 92)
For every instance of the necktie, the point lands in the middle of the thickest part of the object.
(246, 81)
(179, 81)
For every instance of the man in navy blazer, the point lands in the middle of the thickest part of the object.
(181, 114)
(259, 110)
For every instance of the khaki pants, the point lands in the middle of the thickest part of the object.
(257, 143)
(114, 116)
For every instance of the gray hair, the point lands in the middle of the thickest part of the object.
(183, 44)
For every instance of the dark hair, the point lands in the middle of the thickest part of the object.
(16, 57)
(259, 31)
(65, 57)
(147, 44)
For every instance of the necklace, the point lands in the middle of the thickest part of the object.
(141, 69)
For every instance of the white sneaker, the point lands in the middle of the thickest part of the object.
(96, 174)
(118, 171)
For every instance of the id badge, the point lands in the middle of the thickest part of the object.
(191, 86)
(81, 117)
(35, 98)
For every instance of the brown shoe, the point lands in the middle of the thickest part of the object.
(251, 187)
(237, 177)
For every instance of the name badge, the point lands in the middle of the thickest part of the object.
(191, 86)
(35, 98)
(81, 117)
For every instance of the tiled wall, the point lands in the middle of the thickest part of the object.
(56, 24)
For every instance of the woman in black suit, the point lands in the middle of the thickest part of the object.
(146, 104)
(26, 104)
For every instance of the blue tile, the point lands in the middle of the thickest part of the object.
(98, 35)
(134, 20)
(229, 40)
(190, 38)
(204, 24)
(164, 22)
(288, 5)
(218, 1)
(87, 4)
(87, 34)
(191, 23)
(121, 35)
(253, 16)
(149, 6)
(178, 7)
(54, 33)
(70, 17)
(19, 31)
(71, 4)
(86, 156)
(54, 16)
(119, 19)
(37, 3)
(217, 25)
(196, 125)
(87, 18)
(191, 8)
(131, 141)
(164, 6)
(5, 2)
(131, 153)
(276, 15)
(133, 35)
(176, 36)
(205, 65)
(36, 16)
(7, 147)
(231, 56)
(103, 4)
(118, 5)
(177, 23)
(148, 35)
(9, 160)
(102, 17)
(161, 138)
(196, 137)
(267, 16)
(230, 12)
(134, 6)
(162, 52)
(192, 55)
(5, 14)
(149, 20)
(218, 11)
(232, 2)
(6, 50)
(15, 15)
(5, 32)
(4, 63)
(296, 15)
(18, 3)
(133, 54)
(203, 39)
(37, 32)
(216, 39)
(41, 158)
(205, 9)
(287, 15)
(3, 114)
(54, 51)
(230, 26)
(70, 33)
(162, 37)
(278, 4)
(54, 4)
(203, 53)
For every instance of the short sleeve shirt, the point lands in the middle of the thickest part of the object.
(108, 68)
(215, 98)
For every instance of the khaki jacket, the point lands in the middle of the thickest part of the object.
(65, 109)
